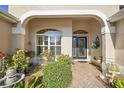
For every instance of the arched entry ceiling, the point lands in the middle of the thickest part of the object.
(65, 14)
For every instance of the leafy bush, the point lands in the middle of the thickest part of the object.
(20, 61)
(57, 74)
(64, 58)
(119, 83)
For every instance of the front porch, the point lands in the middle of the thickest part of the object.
(25, 35)
(69, 36)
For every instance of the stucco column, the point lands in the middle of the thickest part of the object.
(109, 43)
(103, 43)
(18, 37)
(66, 46)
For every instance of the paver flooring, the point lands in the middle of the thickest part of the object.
(85, 75)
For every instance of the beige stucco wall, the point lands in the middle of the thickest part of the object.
(95, 29)
(19, 10)
(119, 45)
(5, 36)
(109, 45)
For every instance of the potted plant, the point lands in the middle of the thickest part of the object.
(46, 55)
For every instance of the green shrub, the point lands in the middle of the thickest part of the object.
(119, 83)
(57, 75)
(64, 58)
(20, 61)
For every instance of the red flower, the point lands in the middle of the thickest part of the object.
(2, 55)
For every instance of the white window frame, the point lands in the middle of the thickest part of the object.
(55, 45)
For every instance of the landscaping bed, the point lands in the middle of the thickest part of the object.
(56, 74)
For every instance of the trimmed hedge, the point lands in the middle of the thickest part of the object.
(64, 58)
(57, 74)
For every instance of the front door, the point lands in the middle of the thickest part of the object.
(79, 47)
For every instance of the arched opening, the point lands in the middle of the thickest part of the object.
(48, 39)
(63, 20)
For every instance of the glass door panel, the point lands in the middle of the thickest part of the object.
(74, 48)
(79, 47)
(82, 47)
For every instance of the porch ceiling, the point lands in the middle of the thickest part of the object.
(63, 14)
(72, 17)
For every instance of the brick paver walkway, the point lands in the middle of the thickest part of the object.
(85, 76)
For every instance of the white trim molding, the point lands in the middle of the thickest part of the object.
(8, 17)
(64, 13)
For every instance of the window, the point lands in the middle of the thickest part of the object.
(80, 32)
(48, 39)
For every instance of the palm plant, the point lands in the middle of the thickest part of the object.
(32, 82)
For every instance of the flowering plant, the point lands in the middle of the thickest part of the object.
(2, 55)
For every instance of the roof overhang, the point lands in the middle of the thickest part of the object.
(116, 17)
(8, 17)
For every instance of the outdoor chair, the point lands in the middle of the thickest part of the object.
(19, 78)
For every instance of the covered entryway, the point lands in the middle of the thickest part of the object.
(67, 22)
